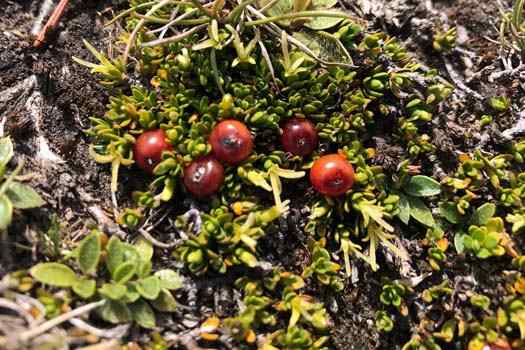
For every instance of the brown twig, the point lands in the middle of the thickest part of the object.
(51, 24)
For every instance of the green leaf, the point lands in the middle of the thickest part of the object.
(149, 287)
(54, 274)
(6, 150)
(483, 214)
(85, 288)
(89, 253)
(165, 302)
(113, 291)
(142, 314)
(281, 7)
(404, 209)
(420, 211)
(449, 212)
(125, 272)
(169, 279)
(459, 242)
(115, 312)
(325, 4)
(131, 295)
(422, 186)
(322, 22)
(6, 212)
(143, 269)
(144, 248)
(115, 254)
(23, 196)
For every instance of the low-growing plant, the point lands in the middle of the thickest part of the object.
(13, 193)
(125, 281)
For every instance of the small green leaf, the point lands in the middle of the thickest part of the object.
(85, 288)
(143, 268)
(483, 214)
(404, 209)
(447, 331)
(281, 7)
(142, 314)
(449, 212)
(149, 287)
(144, 248)
(420, 211)
(323, 22)
(165, 302)
(23, 196)
(89, 253)
(115, 254)
(459, 242)
(6, 150)
(131, 295)
(113, 291)
(54, 274)
(115, 312)
(169, 279)
(6, 212)
(125, 272)
(422, 186)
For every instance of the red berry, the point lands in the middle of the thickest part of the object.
(204, 176)
(148, 149)
(500, 344)
(231, 141)
(332, 175)
(299, 137)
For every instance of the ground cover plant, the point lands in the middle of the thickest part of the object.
(276, 175)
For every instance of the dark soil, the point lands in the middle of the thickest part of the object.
(56, 108)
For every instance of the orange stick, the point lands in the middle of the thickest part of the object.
(51, 23)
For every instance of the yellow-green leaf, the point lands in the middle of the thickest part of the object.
(89, 253)
(149, 287)
(54, 274)
(6, 212)
(85, 288)
(124, 272)
(165, 302)
(23, 196)
(142, 314)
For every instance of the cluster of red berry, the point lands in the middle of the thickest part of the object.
(232, 143)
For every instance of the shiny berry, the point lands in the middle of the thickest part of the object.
(231, 141)
(148, 149)
(332, 175)
(204, 176)
(299, 137)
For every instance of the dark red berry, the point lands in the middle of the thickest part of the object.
(204, 176)
(231, 141)
(332, 175)
(299, 137)
(148, 149)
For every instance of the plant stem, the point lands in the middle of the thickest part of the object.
(297, 15)
(238, 9)
(46, 326)
(178, 20)
(128, 11)
(52, 23)
(11, 178)
(139, 26)
(175, 38)
(156, 242)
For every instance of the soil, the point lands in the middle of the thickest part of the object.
(47, 99)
